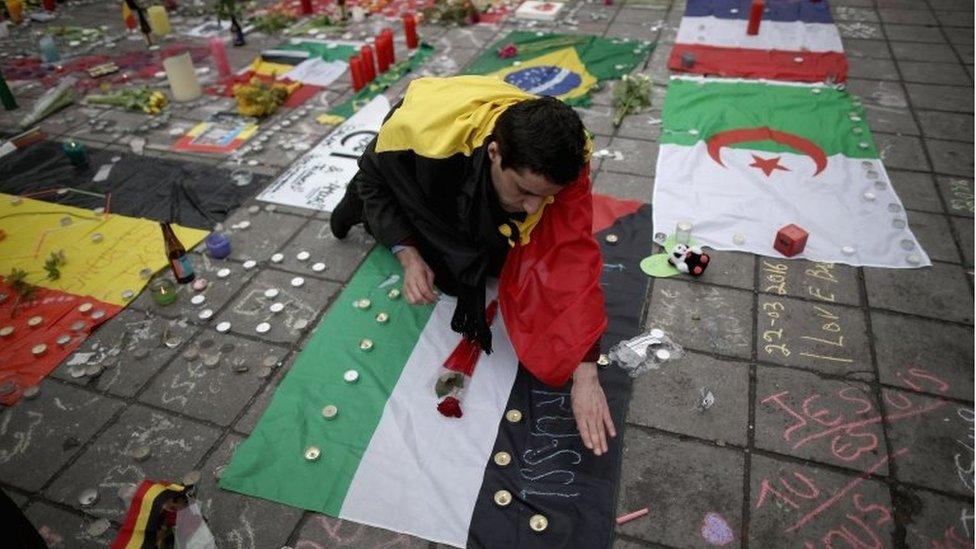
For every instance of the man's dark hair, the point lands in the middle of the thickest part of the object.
(544, 136)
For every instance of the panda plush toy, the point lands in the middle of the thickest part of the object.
(689, 260)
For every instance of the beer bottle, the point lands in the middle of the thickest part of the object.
(179, 261)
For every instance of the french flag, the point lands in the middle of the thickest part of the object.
(797, 41)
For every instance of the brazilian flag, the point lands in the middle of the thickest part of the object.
(566, 66)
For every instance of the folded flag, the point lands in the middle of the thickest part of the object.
(797, 41)
(742, 159)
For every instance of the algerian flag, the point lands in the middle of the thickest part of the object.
(742, 159)
(388, 458)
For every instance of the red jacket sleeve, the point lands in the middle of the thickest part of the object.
(550, 293)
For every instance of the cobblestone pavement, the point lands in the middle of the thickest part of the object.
(856, 428)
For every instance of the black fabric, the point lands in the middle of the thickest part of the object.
(551, 472)
(190, 193)
(450, 209)
(17, 530)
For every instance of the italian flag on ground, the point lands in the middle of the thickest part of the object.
(741, 159)
(388, 458)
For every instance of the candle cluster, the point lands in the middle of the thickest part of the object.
(366, 66)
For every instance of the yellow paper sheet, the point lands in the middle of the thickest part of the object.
(105, 269)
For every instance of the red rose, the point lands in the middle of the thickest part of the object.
(450, 407)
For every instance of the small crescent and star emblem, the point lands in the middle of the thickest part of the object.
(767, 165)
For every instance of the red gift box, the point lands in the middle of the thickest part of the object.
(790, 240)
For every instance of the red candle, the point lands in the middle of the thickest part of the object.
(369, 63)
(49, 5)
(390, 52)
(356, 70)
(306, 7)
(381, 61)
(755, 16)
(410, 30)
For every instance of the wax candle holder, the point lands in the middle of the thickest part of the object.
(218, 245)
(163, 291)
(682, 233)
(49, 49)
(76, 153)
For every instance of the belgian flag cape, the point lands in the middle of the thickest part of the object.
(549, 289)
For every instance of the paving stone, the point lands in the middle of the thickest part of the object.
(658, 67)
(118, 347)
(951, 157)
(938, 292)
(67, 120)
(966, 53)
(206, 106)
(939, 366)
(935, 520)
(667, 398)
(828, 282)
(256, 409)
(597, 119)
(958, 194)
(701, 317)
(37, 437)
(878, 92)
(634, 31)
(964, 228)
(177, 445)
(807, 506)
(646, 125)
(955, 18)
(624, 186)
(639, 158)
(946, 125)
(825, 420)
(325, 531)
(945, 98)
(935, 437)
(238, 520)
(268, 231)
(916, 190)
(900, 16)
(958, 35)
(727, 268)
(914, 51)
(822, 337)
(661, 472)
(877, 49)
(961, 5)
(846, 13)
(341, 257)
(932, 232)
(857, 29)
(901, 152)
(878, 69)
(216, 295)
(252, 307)
(952, 74)
(891, 120)
(59, 528)
(186, 383)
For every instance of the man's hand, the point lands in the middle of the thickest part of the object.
(418, 279)
(590, 408)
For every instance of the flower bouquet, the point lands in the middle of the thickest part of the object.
(457, 370)
(138, 99)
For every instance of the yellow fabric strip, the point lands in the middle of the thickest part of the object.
(441, 117)
(104, 252)
(145, 511)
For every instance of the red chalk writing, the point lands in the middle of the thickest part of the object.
(845, 420)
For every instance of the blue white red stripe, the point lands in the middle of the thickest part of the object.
(797, 41)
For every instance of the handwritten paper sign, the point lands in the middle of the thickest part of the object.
(318, 179)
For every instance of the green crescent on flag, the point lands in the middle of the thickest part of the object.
(566, 66)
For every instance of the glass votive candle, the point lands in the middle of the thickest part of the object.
(682, 232)
(76, 153)
(163, 291)
(218, 245)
